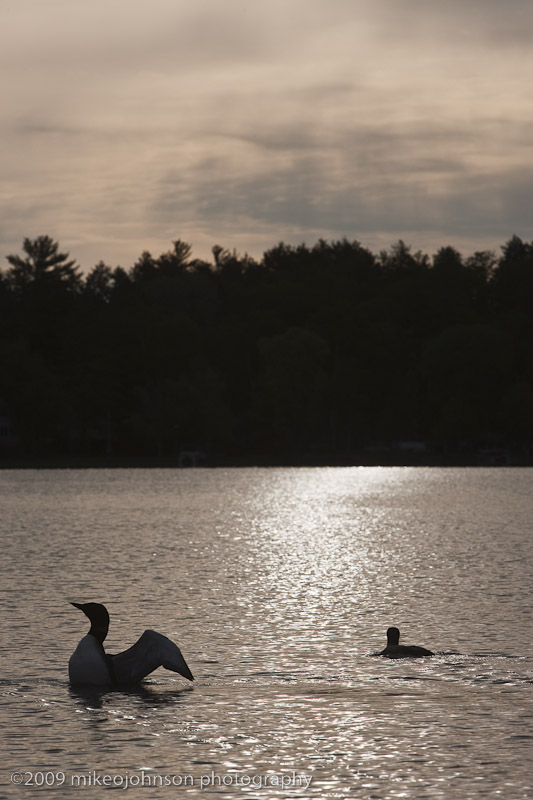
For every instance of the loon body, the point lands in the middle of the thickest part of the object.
(91, 665)
(396, 650)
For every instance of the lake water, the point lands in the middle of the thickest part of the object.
(278, 585)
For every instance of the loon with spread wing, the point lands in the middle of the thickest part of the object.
(90, 664)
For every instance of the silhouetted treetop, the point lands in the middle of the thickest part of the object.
(99, 283)
(513, 277)
(175, 260)
(43, 263)
(145, 268)
(447, 260)
(400, 260)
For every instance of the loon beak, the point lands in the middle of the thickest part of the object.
(80, 606)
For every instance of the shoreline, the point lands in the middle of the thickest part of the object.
(455, 460)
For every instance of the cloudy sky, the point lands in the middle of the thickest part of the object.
(127, 124)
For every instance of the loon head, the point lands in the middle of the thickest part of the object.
(393, 636)
(99, 617)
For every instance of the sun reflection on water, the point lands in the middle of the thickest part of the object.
(317, 552)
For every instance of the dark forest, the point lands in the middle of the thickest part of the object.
(312, 355)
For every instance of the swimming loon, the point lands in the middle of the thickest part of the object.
(395, 650)
(90, 664)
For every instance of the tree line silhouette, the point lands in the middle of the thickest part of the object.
(309, 355)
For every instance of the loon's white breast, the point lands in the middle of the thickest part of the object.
(87, 663)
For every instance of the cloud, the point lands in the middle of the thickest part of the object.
(456, 24)
(127, 124)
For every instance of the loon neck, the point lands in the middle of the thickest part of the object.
(98, 633)
(393, 637)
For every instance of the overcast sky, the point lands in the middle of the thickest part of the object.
(127, 124)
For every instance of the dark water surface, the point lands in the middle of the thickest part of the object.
(278, 584)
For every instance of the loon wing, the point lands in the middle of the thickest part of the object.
(151, 651)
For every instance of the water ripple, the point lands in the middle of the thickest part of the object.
(278, 585)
